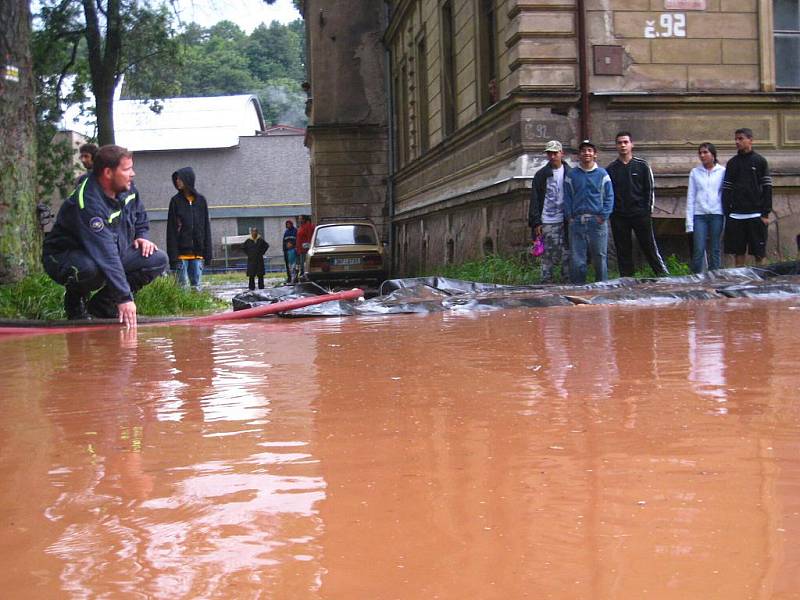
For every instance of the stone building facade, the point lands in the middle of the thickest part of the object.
(476, 87)
(348, 133)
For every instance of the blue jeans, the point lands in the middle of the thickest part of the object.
(707, 237)
(586, 232)
(190, 271)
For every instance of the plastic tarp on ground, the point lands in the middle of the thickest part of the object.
(436, 294)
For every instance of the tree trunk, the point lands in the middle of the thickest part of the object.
(104, 56)
(20, 233)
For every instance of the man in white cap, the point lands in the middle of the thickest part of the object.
(546, 211)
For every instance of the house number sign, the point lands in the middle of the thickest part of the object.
(668, 25)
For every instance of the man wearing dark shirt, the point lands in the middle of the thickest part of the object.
(634, 197)
(99, 242)
(746, 201)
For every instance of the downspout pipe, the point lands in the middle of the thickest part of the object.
(583, 66)
(390, 143)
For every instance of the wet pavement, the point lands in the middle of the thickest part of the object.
(589, 451)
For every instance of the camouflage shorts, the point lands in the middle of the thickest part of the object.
(556, 252)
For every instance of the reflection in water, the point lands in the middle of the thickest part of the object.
(706, 346)
(595, 452)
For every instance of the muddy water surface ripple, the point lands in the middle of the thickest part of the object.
(595, 452)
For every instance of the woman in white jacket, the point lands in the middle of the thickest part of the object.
(704, 216)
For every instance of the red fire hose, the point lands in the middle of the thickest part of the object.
(248, 313)
(278, 307)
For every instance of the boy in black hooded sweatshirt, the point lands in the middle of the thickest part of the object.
(188, 229)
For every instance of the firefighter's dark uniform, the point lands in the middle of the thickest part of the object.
(91, 247)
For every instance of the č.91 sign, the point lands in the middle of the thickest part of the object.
(669, 25)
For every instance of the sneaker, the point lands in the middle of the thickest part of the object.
(75, 306)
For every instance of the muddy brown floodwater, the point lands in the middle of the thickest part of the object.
(591, 452)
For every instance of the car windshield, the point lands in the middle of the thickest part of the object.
(344, 235)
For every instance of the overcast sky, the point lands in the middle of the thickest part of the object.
(247, 14)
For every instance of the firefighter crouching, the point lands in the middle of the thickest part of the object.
(99, 242)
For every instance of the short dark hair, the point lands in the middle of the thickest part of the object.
(109, 157)
(711, 148)
(90, 149)
(623, 134)
(745, 131)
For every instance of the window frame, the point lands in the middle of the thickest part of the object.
(786, 33)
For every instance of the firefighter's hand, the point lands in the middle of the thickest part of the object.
(146, 246)
(127, 313)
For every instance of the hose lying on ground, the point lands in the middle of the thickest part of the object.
(43, 327)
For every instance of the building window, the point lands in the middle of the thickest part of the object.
(422, 90)
(786, 26)
(487, 53)
(243, 225)
(448, 69)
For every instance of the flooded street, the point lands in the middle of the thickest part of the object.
(590, 452)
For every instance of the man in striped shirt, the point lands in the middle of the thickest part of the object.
(634, 198)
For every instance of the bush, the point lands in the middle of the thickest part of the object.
(495, 269)
(35, 297)
(674, 266)
(522, 271)
(164, 297)
(40, 298)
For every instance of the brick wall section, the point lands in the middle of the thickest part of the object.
(719, 51)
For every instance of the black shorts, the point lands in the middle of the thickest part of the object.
(746, 236)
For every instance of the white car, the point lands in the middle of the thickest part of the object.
(345, 251)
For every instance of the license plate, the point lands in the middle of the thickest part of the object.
(339, 262)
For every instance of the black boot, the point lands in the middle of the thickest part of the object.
(102, 306)
(75, 306)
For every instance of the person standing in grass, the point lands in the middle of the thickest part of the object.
(546, 211)
(254, 247)
(704, 217)
(188, 230)
(634, 200)
(746, 200)
(588, 202)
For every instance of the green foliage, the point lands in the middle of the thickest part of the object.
(55, 52)
(152, 61)
(270, 63)
(164, 297)
(494, 269)
(521, 270)
(34, 297)
(674, 266)
(40, 298)
(276, 51)
(78, 46)
(213, 61)
(159, 62)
